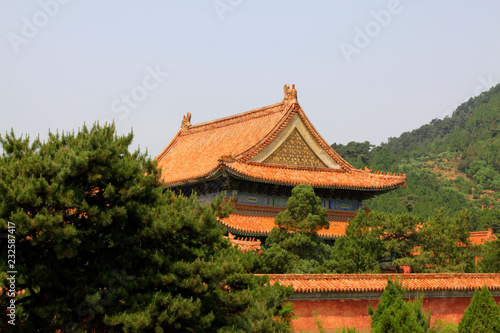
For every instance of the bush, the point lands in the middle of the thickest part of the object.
(393, 314)
(482, 315)
(442, 326)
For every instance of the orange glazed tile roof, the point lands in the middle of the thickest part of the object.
(251, 220)
(320, 177)
(200, 152)
(195, 152)
(327, 283)
(245, 244)
(479, 237)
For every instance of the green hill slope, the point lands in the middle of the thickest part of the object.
(451, 163)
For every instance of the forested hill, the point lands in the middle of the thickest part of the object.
(451, 163)
(475, 120)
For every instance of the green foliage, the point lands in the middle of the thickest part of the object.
(359, 250)
(377, 240)
(303, 213)
(393, 314)
(390, 203)
(382, 159)
(468, 141)
(400, 234)
(490, 263)
(319, 323)
(421, 196)
(347, 330)
(409, 201)
(442, 326)
(431, 157)
(356, 153)
(444, 245)
(103, 247)
(482, 314)
(286, 314)
(485, 175)
(475, 120)
(486, 218)
(293, 246)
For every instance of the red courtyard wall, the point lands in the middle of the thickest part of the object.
(353, 313)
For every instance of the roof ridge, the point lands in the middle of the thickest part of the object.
(346, 166)
(167, 148)
(385, 275)
(293, 108)
(226, 121)
(362, 283)
(480, 232)
(290, 110)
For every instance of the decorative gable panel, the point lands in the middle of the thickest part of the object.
(296, 146)
(295, 151)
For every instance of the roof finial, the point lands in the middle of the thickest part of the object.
(290, 94)
(186, 122)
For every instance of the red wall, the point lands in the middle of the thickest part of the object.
(333, 313)
(353, 313)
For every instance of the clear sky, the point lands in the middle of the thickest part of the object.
(364, 70)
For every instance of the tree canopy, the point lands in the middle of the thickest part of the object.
(303, 212)
(394, 315)
(359, 250)
(482, 314)
(439, 244)
(490, 263)
(451, 163)
(445, 242)
(101, 245)
(293, 245)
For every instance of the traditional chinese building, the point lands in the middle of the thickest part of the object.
(256, 158)
(479, 238)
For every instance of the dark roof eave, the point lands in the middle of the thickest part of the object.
(216, 173)
(263, 234)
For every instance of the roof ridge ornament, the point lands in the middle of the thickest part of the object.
(290, 94)
(186, 122)
(227, 158)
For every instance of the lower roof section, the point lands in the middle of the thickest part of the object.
(366, 283)
(316, 177)
(255, 221)
(245, 244)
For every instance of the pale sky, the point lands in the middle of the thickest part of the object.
(364, 70)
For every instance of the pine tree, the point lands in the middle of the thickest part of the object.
(303, 212)
(101, 246)
(359, 250)
(293, 245)
(399, 236)
(490, 262)
(482, 314)
(394, 315)
(445, 244)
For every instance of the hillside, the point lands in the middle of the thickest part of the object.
(451, 163)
